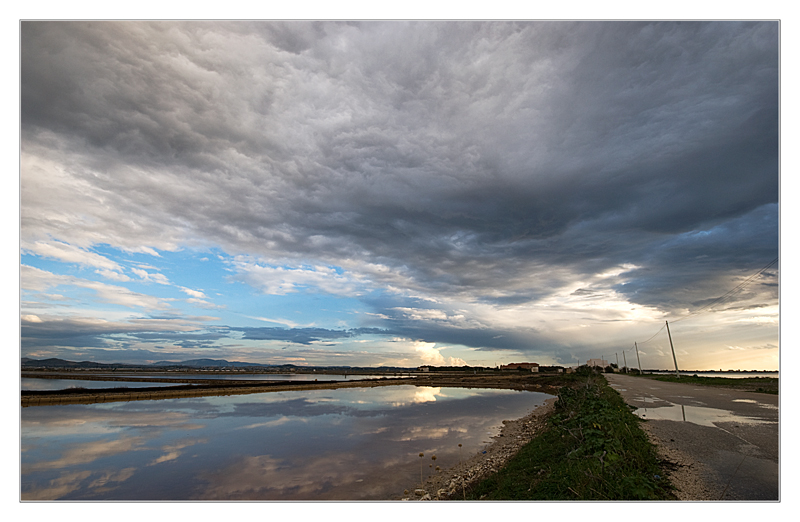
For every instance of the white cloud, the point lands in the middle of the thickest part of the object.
(114, 276)
(277, 280)
(194, 293)
(68, 253)
(148, 277)
(431, 355)
(35, 279)
(418, 314)
(286, 322)
(202, 303)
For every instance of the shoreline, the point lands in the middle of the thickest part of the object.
(451, 483)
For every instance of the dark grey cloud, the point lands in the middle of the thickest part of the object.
(198, 341)
(682, 270)
(89, 333)
(304, 335)
(489, 162)
(99, 337)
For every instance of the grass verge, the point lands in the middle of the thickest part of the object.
(593, 449)
(751, 384)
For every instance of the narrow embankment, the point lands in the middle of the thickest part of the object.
(590, 447)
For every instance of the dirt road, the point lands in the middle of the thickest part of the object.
(725, 439)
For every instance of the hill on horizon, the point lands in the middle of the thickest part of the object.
(206, 363)
(196, 363)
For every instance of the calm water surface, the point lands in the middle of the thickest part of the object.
(349, 444)
(272, 376)
(33, 383)
(63, 384)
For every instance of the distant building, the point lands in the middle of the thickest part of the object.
(534, 367)
(602, 363)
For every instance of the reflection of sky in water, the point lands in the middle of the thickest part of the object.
(360, 443)
(701, 415)
(759, 404)
(234, 376)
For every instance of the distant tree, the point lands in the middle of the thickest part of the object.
(545, 369)
(609, 369)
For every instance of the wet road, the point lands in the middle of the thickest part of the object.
(733, 436)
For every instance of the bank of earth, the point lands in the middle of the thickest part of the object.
(585, 445)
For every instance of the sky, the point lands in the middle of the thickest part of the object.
(400, 193)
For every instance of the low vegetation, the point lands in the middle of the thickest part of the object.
(593, 449)
(751, 384)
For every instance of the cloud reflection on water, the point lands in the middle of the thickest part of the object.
(87, 452)
(343, 444)
(56, 488)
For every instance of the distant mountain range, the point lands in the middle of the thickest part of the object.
(193, 363)
(61, 363)
(205, 363)
(28, 363)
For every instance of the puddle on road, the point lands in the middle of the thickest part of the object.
(704, 416)
(694, 414)
(760, 404)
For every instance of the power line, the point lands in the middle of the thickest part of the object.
(724, 297)
(729, 294)
(658, 332)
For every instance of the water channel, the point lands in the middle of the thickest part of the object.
(345, 444)
(46, 382)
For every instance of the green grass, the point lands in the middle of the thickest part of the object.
(752, 384)
(592, 449)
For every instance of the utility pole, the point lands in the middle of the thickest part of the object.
(673, 351)
(617, 356)
(637, 358)
(625, 361)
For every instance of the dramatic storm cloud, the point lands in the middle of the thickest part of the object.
(347, 193)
